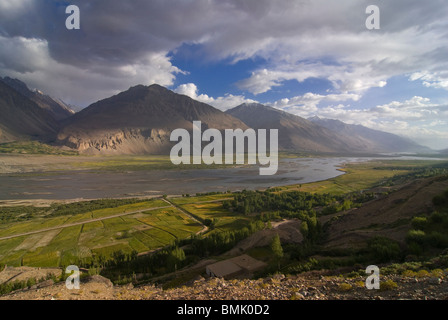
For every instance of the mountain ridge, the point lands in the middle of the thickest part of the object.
(56, 107)
(22, 118)
(139, 120)
(375, 140)
(295, 133)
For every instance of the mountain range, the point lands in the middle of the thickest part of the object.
(140, 121)
(369, 139)
(57, 108)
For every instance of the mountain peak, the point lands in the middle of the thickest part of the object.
(139, 121)
(56, 108)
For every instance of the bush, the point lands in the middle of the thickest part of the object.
(388, 285)
(438, 273)
(417, 236)
(419, 223)
(409, 273)
(344, 287)
(415, 249)
(437, 240)
(436, 218)
(384, 249)
(423, 274)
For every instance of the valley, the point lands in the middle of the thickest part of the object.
(99, 190)
(167, 239)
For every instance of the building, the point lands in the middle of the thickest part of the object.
(243, 265)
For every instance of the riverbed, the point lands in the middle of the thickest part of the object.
(88, 184)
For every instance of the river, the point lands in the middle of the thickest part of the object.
(92, 185)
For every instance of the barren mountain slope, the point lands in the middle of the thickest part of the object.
(22, 118)
(139, 120)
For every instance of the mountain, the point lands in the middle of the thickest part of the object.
(321, 135)
(369, 139)
(22, 118)
(295, 133)
(57, 108)
(139, 120)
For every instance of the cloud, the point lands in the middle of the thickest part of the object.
(123, 43)
(437, 80)
(417, 118)
(307, 105)
(359, 61)
(30, 60)
(227, 102)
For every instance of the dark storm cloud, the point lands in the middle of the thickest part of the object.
(122, 43)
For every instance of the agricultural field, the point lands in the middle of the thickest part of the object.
(202, 198)
(362, 176)
(223, 219)
(142, 227)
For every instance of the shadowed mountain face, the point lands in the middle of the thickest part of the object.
(369, 139)
(299, 134)
(22, 118)
(58, 109)
(139, 120)
(295, 133)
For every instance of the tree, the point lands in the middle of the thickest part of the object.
(304, 229)
(175, 258)
(277, 250)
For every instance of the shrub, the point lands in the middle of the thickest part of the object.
(415, 249)
(344, 287)
(436, 217)
(417, 236)
(353, 274)
(388, 285)
(384, 249)
(419, 223)
(438, 273)
(409, 273)
(423, 274)
(437, 240)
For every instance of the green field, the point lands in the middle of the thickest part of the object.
(34, 147)
(142, 231)
(202, 198)
(361, 176)
(225, 220)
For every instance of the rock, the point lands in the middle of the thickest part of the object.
(435, 281)
(129, 286)
(100, 279)
(278, 277)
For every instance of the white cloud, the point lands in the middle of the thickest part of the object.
(417, 118)
(307, 105)
(437, 80)
(30, 61)
(229, 101)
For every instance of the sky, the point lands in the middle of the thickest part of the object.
(306, 57)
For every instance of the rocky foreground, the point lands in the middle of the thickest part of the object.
(303, 287)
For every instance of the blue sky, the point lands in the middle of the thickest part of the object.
(310, 57)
